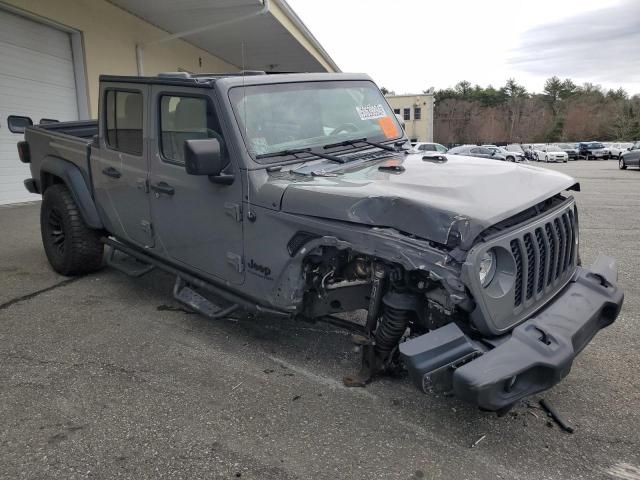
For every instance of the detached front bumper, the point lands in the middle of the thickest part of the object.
(536, 355)
(539, 352)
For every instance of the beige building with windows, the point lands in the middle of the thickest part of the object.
(416, 110)
(53, 51)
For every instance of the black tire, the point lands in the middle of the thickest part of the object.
(72, 248)
(511, 159)
(621, 164)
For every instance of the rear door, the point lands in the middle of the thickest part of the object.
(120, 166)
(197, 223)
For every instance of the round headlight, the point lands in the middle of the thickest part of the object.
(487, 267)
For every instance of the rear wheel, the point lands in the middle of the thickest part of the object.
(72, 247)
(621, 164)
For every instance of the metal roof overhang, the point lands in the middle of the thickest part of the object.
(252, 34)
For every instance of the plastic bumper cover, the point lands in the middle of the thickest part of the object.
(539, 352)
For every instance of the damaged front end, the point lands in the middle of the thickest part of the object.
(490, 334)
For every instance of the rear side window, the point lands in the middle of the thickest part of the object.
(124, 121)
(185, 118)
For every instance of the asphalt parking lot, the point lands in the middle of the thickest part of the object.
(106, 377)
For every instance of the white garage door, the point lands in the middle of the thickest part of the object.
(36, 80)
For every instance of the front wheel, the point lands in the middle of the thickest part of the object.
(72, 248)
(621, 164)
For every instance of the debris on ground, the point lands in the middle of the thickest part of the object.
(475, 444)
(554, 415)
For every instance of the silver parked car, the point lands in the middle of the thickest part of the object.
(630, 158)
(476, 151)
(509, 155)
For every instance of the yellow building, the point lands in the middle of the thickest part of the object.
(53, 51)
(416, 110)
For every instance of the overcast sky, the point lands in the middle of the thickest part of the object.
(411, 45)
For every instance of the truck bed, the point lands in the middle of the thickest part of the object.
(67, 140)
(81, 129)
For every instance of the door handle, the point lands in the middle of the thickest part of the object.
(111, 172)
(163, 188)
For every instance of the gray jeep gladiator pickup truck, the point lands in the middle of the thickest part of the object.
(296, 195)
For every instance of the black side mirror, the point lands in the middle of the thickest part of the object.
(204, 157)
(18, 123)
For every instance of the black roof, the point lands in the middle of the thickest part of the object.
(179, 78)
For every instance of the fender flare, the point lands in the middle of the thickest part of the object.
(72, 177)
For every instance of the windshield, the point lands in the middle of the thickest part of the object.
(553, 148)
(595, 145)
(514, 148)
(288, 116)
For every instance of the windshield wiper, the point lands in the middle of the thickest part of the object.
(362, 140)
(296, 151)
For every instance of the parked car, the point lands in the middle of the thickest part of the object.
(550, 153)
(514, 147)
(476, 151)
(419, 147)
(508, 155)
(528, 152)
(630, 158)
(592, 151)
(617, 149)
(288, 195)
(570, 149)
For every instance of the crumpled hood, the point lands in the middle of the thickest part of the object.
(428, 197)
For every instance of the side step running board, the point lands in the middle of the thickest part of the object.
(188, 280)
(186, 295)
(127, 264)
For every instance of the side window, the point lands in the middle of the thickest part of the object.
(407, 114)
(476, 150)
(428, 147)
(441, 148)
(185, 118)
(124, 121)
(417, 113)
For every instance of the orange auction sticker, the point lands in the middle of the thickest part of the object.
(388, 127)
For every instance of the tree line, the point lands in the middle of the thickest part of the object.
(564, 111)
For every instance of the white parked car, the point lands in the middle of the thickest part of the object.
(420, 147)
(549, 153)
(617, 149)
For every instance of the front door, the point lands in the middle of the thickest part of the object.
(119, 166)
(197, 223)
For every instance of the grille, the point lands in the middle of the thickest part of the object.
(543, 257)
(537, 256)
